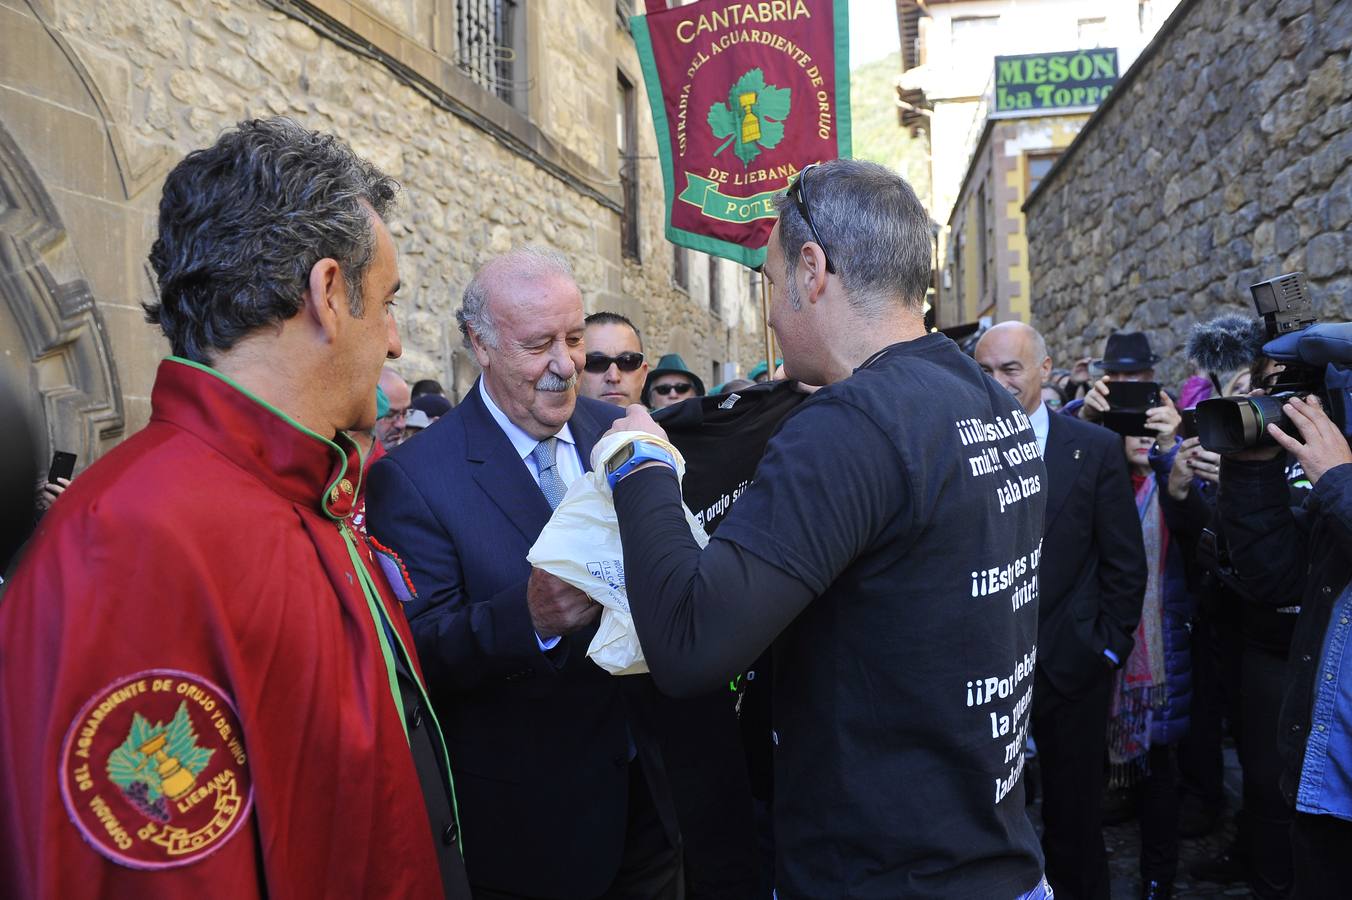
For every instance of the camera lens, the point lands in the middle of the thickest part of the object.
(1224, 424)
(1230, 424)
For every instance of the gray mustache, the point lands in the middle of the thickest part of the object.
(554, 384)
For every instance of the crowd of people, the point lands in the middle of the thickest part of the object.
(285, 641)
(1208, 626)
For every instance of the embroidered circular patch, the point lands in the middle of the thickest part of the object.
(153, 770)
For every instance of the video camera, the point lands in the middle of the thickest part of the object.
(1316, 359)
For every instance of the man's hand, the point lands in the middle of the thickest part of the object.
(1096, 401)
(1324, 446)
(636, 418)
(48, 492)
(1164, 420)
(557, 607)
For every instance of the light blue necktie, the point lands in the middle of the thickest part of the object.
(550, 482)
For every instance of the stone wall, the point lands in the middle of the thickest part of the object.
(1223, 158)
(99, 100)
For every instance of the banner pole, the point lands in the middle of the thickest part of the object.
(765, 317)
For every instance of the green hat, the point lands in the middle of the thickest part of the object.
(382, 403)
(762, 369)
(671, 364)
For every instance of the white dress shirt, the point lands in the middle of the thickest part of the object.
(567, 461)
(1041, 421)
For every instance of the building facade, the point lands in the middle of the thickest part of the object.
(985, 159)
(985, 268)
(1223, 158)
(506, 123)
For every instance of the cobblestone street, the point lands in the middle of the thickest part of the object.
(1124, 846)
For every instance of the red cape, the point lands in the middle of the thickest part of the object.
(194, 699)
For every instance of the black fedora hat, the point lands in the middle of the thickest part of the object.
(1127, 351)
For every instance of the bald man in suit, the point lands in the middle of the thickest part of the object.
(1091, 584)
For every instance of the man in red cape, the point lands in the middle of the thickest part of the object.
(207, 689)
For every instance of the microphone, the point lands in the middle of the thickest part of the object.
(1228, 342)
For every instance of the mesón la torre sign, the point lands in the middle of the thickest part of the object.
(1036, 82)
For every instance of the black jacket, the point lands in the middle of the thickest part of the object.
(1279, 551)
(1093, 576)
(1264, 624)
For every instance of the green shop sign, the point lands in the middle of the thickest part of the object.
(1046, 81)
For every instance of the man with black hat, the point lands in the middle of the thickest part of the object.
(670, 383)
(1127, 357)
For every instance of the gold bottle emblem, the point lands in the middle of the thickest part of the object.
(751, 130)
(174, 779)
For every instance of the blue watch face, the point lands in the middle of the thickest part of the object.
(620, 457)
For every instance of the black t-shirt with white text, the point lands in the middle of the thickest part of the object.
(909, 499)
(723, 438)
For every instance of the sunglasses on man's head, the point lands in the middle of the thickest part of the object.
(797, 192)
(625, 362)
(684, 387)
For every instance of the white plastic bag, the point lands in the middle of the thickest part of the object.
(581, 545)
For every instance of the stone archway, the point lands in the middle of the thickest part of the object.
(52, 337)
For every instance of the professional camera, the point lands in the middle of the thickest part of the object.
(1316, 359)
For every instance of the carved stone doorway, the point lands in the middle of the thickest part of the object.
(53, 343)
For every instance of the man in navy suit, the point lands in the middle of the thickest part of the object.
(561, 790)
(1091, 584)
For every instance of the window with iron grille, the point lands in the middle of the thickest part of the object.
(627, 133)
(490, 45)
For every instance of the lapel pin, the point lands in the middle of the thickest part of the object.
(1077, 454)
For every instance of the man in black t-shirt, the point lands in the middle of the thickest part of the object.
(888, 547)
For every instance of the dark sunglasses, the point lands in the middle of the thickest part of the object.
(798, 191)
(625, 362)
(684, 387)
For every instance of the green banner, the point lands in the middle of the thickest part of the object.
(743, 96)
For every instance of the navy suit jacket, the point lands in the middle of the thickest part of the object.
(1092, 576)
(539, 743)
